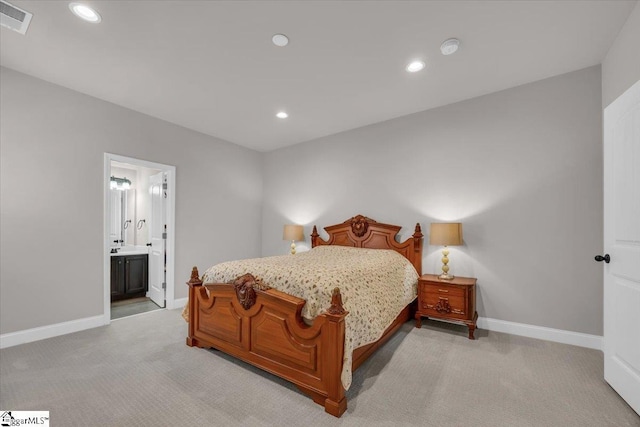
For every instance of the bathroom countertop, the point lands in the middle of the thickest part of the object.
(131, 250)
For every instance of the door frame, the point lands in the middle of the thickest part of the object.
(170, 221)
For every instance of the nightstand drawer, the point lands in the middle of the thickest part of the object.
(443, 290)
(448, 306)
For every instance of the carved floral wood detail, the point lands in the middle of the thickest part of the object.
(244, 287)
(360, 225)
(443, 306)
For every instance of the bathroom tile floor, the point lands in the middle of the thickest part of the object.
(133, 306)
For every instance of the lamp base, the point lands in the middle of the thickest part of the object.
(445, 268)
(293, 247)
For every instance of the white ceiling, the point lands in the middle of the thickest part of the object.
(210, 66)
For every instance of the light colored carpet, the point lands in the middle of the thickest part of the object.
(139, 372)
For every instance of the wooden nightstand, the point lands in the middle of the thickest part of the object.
(450, 300)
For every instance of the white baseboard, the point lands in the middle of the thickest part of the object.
(178, 303)
(43, 332)
(542, 333)
(29, 335)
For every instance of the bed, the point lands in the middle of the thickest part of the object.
(309, 342)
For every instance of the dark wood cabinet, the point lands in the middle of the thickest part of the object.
(129, 276)
(117, 277)
(450, 300)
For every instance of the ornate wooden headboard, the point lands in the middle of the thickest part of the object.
(363, 232)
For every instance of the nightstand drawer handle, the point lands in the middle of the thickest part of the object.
(443, 290)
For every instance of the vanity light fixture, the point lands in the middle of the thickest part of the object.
(282, 115)
(415, 66)
(450, 46)
(85, 12)
(280, 40)
(119, 183)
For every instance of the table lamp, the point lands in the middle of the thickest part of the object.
(445, 234)
(293, 232)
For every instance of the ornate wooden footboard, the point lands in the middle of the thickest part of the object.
(264, 327)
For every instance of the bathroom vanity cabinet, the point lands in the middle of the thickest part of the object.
(129, 276)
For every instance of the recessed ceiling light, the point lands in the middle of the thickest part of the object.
(282, 115)
(280, 40)
(449, 46)
(415, 66)
(85, 12)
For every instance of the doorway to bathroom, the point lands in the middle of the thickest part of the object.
(138, 236)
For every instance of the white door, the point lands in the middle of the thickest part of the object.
(157, 237)
(622, 244)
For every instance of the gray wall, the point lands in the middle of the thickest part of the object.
(521, 169)
(621, 66)
(52, 149)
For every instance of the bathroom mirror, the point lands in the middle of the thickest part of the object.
(121, 221)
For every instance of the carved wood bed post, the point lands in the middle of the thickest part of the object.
(314, 237)
(194, 284)
(336, 402)
(417, 247)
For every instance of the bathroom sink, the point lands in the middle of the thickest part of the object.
(131, 250)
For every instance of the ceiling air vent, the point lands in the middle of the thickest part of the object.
(14, 18)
